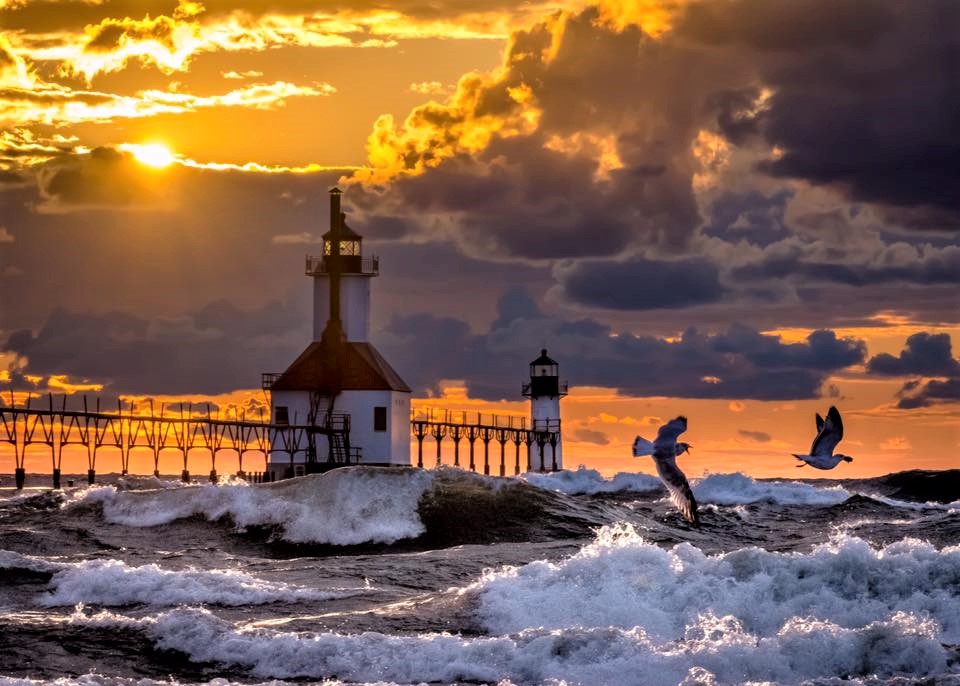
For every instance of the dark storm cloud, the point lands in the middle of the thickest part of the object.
(737, 363)
(608, 165)
(865, 95)
(896, 263)
(934, 392)
(750, 216)
(640, 284)
(215, 349)
(925, 354)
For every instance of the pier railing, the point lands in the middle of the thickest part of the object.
(185, 428)
(181, 427)
(535, 435)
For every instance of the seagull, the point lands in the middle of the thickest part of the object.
(665, 450)
(829, 433)
(641, 447)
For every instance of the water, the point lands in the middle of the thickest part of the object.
(398, 576)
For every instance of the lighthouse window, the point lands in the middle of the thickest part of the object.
(379, 419)
(283, 415)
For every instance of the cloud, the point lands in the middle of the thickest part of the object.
(934, 392)
(743, 363)
(429, 88)
(925, 354)
(56, 105)
(639, 284)
(833, 66)
(214, 349)
(91, 42)
(249, 74)
(590, 436)
(756, 436)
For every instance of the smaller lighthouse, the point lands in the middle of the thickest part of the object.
(545, 391)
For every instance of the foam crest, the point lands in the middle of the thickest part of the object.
(620, 580)
(114, 583)
(720, 647)
(585, 481)
(347, 506)
(740, 489)
(12, 560)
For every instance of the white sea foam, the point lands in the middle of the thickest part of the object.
(12, 560)
(740, 489)
(342, 507)
(114, 583)
(585, 481)
(718, 646)
(104, 680)
(620, 580)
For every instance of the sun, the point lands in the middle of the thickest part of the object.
(155, 155)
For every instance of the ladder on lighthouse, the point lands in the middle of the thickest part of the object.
(338, 424)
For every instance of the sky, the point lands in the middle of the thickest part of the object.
(738, 210)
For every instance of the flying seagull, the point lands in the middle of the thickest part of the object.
(829, 433)
(641, 447)
(665, 450)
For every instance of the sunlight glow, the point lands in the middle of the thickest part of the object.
(153, 155)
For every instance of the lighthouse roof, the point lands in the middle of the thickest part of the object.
(543, 359)
(360, 367)
(346, 233)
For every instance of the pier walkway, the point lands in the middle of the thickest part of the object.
(186, 428)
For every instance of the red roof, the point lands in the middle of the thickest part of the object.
(353, 367)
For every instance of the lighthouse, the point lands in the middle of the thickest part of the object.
(545, 390)
(354, 407)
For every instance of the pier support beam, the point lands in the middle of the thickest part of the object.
(213, 476)
(20, 476)
(91, 476)
(185, 476)
(56, 478)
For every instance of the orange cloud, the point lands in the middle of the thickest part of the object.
(56, 105)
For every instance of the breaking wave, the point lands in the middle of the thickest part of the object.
(114, 583)
(348, 506)
(740, 489)
(583, 481)
(621, 580)
(625, 612)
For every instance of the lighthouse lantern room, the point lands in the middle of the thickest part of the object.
(545, 390)
(341, 383)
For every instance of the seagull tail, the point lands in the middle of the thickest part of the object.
(847, 458)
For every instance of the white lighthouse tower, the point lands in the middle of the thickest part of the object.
(341, 379)
(545, 391)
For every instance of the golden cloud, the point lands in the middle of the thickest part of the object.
(56, 105)
(169, 42)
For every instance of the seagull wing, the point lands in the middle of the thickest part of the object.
(678, 488)
(671, 430)
(829, 435)
(641, 447)
(819, 423)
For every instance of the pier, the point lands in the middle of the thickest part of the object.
(52, 425)
(503, 430)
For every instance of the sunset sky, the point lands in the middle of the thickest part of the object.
(739, 210)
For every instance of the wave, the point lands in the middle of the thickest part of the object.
(621, 580)
(718, 648)
(740, 489)
(585, 481)
(918, 486)
(114, 583)
(349, 506)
